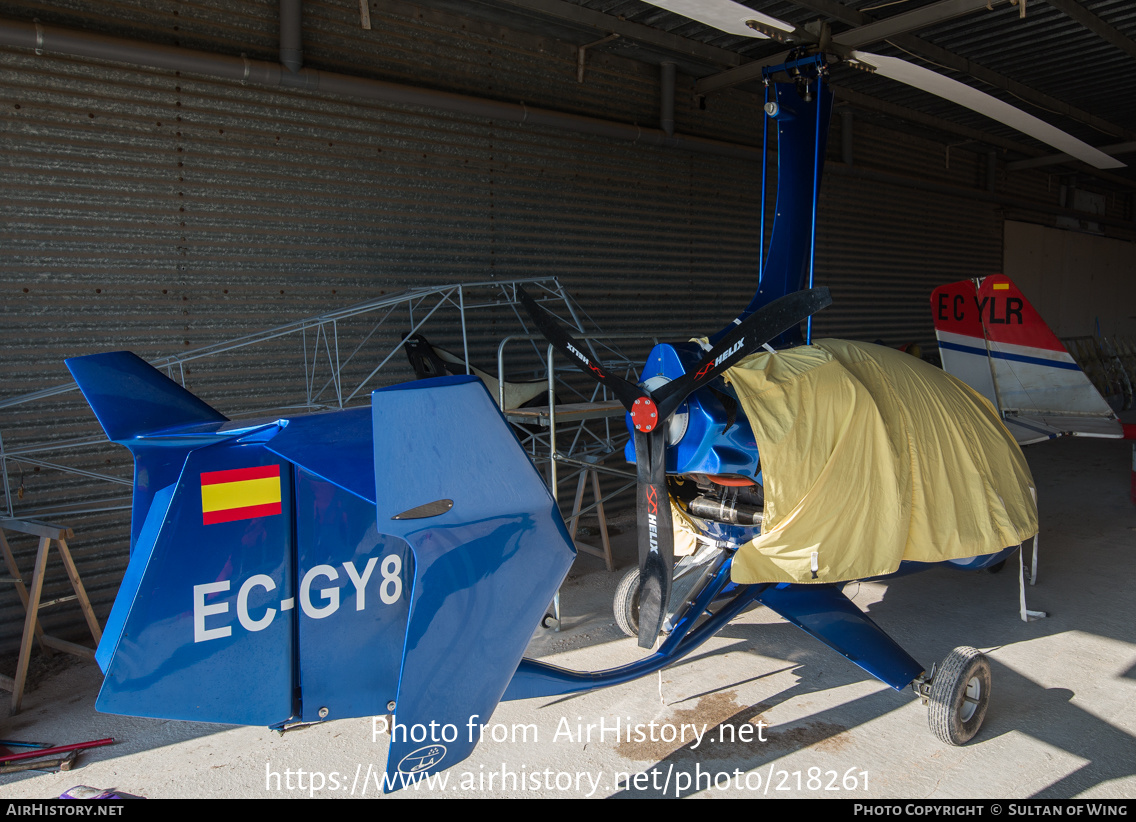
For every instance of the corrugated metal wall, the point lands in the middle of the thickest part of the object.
(883, 249)
(885, 242)
(162, 212)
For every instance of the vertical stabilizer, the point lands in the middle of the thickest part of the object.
(131, 398)
(991, 338)
(488, 558)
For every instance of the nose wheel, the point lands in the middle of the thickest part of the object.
(957, 695)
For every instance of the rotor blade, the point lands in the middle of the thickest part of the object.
(626, 392)
(964, 95)
(655, 533)
(723, 15)
(753, 332)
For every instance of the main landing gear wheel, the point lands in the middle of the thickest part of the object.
(960, 692)
(626, 604)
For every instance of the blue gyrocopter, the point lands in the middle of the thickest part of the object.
(397, 558)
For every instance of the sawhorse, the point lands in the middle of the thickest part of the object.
(30, 598)
(590, 473)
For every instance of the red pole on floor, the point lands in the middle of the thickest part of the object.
(52, 751)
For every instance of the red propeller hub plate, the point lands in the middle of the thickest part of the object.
(644, 415)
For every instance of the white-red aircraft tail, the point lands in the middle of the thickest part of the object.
(991, 338)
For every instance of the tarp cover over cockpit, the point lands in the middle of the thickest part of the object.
(869, 457)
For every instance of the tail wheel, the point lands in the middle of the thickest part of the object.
(960, 693)
(626, 604)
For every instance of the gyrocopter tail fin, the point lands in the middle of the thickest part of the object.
(488, 558)
(991, 338)
(133, 399)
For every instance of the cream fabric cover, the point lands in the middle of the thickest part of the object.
(871, 456)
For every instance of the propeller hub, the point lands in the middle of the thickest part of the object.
(644, 415)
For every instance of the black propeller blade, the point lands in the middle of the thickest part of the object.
(744, 339)
(655, 532)
(559, 336)
(651, 410)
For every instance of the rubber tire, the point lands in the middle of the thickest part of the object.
(964, 668)
(626, 603)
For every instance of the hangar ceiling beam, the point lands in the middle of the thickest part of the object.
(869, 103)
(736, 76)
(948, 59)
(1096, 25)
(742, 71)
(909, 21)
(865, 34)
(584, 17)
(45, 39)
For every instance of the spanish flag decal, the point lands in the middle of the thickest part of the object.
(241, 493)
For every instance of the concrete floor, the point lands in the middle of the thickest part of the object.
(1061, 723)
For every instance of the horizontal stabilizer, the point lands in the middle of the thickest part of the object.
(132, 399)
(1030, 429)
